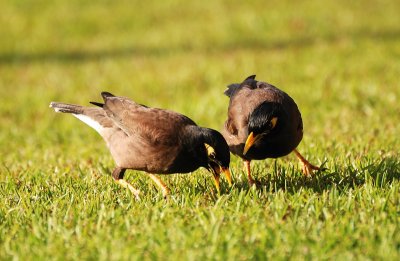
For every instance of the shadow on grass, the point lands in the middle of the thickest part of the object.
(67, 56)
(380, 173)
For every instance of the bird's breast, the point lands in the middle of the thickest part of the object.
(263, 151)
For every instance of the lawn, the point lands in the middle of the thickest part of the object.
(339, 60)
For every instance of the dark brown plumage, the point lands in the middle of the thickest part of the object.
(152, 140)
(263, 122)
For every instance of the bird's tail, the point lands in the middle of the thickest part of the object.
(232, 88)
(66, 108)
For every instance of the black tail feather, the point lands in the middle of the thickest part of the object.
(231, 89)
(97, 104)
(251, 77)
(106, 95)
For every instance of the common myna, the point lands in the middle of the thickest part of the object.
(152, 140)
(263, 122)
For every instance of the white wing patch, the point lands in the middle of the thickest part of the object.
(89, 121)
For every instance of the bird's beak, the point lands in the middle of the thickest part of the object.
(251, 139)
(227, 174)
(216, 172)
(216, 181)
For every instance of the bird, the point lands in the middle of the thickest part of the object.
(153, 140)
(263, 122)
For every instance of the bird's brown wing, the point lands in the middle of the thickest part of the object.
(155, 125)
(148, 139)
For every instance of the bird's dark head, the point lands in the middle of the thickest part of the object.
(265, 122)
(216, 154)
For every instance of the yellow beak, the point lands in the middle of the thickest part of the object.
(251, 139)
(227, 173)
(216, 182)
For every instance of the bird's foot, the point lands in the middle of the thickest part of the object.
(166, 193)
(161, 184)
(127, 185)
(307, 167)
(254, 183)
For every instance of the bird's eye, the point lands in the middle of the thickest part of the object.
(273, 122)
(210, 151)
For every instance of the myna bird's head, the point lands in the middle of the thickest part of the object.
(264, 123)
(217, 155)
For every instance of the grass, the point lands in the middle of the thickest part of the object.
(337, 59)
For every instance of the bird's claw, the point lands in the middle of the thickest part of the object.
(166, 193)
(253, 183)
(308, 168)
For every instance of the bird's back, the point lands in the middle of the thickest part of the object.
(145, 138)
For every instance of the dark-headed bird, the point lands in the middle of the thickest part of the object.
(263, 122)
(153, 140)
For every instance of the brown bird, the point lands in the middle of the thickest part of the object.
(152, 140)
(263, 122)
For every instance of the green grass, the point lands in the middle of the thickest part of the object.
(338, 59)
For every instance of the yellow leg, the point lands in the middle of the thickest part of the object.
(125, 184)
(118, 175)
(249, 177)
(158, 181)
(307, 167)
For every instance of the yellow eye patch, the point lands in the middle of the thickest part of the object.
(273, 122)
(210, 150)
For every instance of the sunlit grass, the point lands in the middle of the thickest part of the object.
(338, 60)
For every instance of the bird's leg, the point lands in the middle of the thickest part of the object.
(249, 178)
(307, 167)
(158, 181)
(118, 175)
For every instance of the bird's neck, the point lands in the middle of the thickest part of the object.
(193, 135)
(193, 143)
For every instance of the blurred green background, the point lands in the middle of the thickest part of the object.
(339, 60)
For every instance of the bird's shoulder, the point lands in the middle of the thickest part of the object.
(245, 100)
(154, 124)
